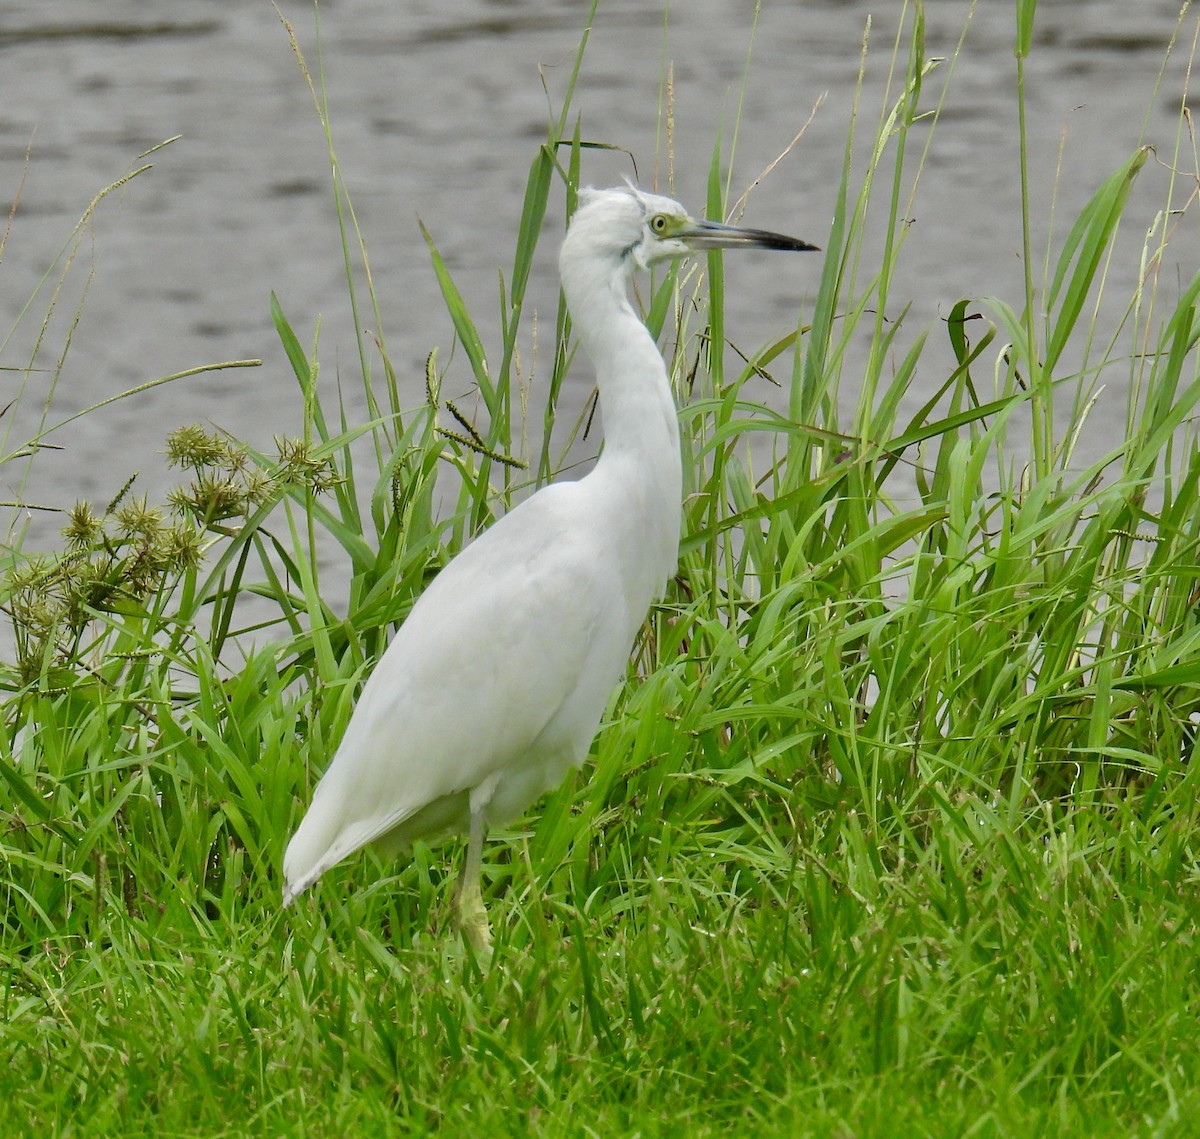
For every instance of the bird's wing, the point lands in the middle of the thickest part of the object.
(525, 624)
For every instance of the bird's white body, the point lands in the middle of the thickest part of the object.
(449, 706)
(494, 685)
(504, 666)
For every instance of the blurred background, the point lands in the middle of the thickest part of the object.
(437, 109)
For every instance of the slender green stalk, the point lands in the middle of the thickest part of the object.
(1043, 405)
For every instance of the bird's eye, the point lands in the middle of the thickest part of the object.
(658, 223)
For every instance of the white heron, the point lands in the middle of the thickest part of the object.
(495, 683)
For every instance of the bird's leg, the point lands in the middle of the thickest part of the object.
(472, 915)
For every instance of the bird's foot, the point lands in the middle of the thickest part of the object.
(472, 920)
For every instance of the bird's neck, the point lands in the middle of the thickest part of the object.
(635, 393)
(640, 461)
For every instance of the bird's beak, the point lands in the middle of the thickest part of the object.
(701, 235)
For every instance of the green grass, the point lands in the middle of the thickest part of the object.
(891, 833)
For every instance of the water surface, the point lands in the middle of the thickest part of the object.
(437, 110)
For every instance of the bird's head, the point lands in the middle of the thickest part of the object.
(637, 229)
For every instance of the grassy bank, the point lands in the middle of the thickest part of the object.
(892, 831)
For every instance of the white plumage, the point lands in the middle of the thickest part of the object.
(494, 685)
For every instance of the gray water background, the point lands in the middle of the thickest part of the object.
(437, 109)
